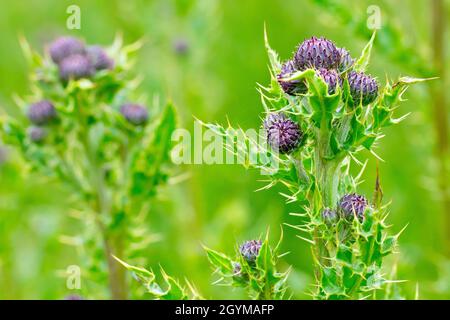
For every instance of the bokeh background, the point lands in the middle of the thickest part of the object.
(207, 56)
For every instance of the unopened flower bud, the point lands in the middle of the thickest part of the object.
(64, 47)
(331, 78)
(317, 53)
(329, 216)
(283, 134)
(41, 112)
(37, 134)
(250, 250)
(352, 204)
(363, 88)
(346, 61)
(237, 269)
(99, 58)
(180, 46)
(75, 67)
(292, 87)
(134, 113)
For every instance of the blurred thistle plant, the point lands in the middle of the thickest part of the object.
(254, 267)
(80, 127)
(322, 109)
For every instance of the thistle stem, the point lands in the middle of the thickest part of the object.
(111, 245)
(327, 174)
(326, 168)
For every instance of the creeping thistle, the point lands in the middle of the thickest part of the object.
(321, 110)
(85, 125)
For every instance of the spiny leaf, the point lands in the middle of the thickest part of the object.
(363, 61)
(220, 261)
(143, 274)
(274, 60)
(154, 153)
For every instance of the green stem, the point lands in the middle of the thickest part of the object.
(327, 175)
(326, 169)
(112, 245)
(266, 293)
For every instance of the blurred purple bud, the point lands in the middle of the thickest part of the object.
(181, 46)
(41, 112)
(99, 58)
(63, 47)
(75, 67)
(37, 134)
(134, 113)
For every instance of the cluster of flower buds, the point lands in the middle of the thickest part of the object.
(75, 60)
(333, 65)
(250, 250)
(350, 206)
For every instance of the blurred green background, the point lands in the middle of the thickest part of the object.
(212, 78)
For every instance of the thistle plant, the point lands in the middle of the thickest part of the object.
(85, 125)
(254, 267)
(322, 109)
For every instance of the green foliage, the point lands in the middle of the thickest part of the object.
(260, 277)
(213, 79)
(111, 167)
(169, 289)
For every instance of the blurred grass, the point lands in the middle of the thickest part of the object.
(214, 79)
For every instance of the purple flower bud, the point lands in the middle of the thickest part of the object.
(352, 204)
(290, 87)
(76, 66)
(363, 88)
(181, 46)
(283, 134)
(317, 53)
(346, 61)
(134, 113)
(41, 112)
(99, 59)
(331, 78)
(250, 250)
(237, 269)
(63, 47)
(329, 215)
(37, 134)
